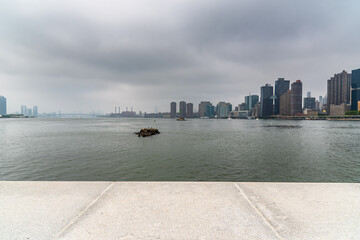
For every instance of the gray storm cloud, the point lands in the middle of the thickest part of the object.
(71, 56)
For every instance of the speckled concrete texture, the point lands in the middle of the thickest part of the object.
(179, 210)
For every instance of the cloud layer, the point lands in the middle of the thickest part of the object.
(83, 56)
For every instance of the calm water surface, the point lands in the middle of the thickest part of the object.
(194, 150)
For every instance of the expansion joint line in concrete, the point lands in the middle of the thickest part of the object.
(82, 212)
(258, 211)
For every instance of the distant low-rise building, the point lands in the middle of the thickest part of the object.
(310, 113)
(339, 110)
(255, 111)
(240, 114)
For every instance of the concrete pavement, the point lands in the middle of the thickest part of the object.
(179, 210)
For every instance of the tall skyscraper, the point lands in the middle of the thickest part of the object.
(35, 111)
(250, 101)
(285, 103)
(182, 107)
(338, 89)
(266, 101)
(189, 110)
(296, 97)
(309, 102)
(355, 90)
(281, 86)
(3, 110)
(173, 109)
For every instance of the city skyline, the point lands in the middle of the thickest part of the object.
(73, 57)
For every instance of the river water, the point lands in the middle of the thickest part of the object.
(97, 149)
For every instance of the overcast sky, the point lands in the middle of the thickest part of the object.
(93, 55)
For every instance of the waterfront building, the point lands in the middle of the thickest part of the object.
(309, 102)
(338, 89)
(281, 87)
(321, 102)
(223, 110)
(35, 111)
(210, 111)
(296, 97)
(129, 114)
(189, 110)
(310, 113)
(339, 110)
(242, 107)
(255, 111)
(250, 101)
(3, 105)
(23, 110)
(266, 101)
(285, 103)
(317, 105)
(29, 112)
(228, 108)
(206, 109)
(182, 109)
(239, 114)
(173, 109)
(3, 110)
(355, 90)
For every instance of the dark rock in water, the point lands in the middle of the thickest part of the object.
(146, 132)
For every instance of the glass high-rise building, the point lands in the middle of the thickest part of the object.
(3, 110)
(250, 101)
(223, 109)
(309, 102)
(355, 89)
(266, 101)
(281, 87)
